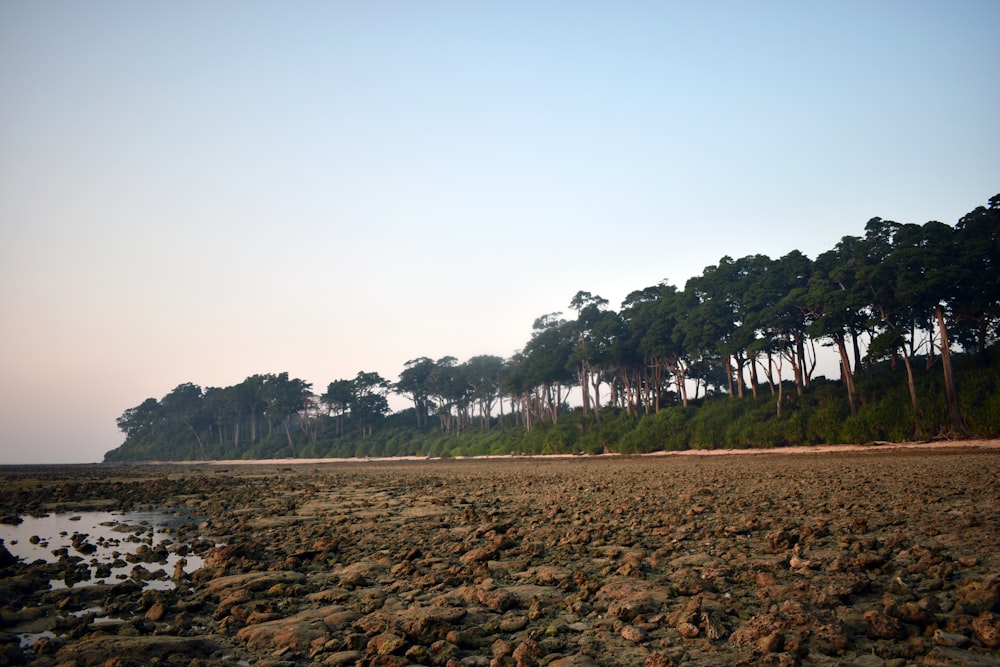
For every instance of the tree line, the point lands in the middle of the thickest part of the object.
(908, 295)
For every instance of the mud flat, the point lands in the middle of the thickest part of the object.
(866, 557)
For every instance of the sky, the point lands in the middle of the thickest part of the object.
(200, 191)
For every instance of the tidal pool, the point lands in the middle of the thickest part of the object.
(113, 546)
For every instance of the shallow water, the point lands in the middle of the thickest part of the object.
(107, 541)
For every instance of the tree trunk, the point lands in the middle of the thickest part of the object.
(800, 364)
(288, 433)
(846, 376)
(951, 391)
(597, 397)
(729, 376)
(857, 352)
(741, 363)
(913, 394)
(810, 368)
(769, 373)
(201, 445)
(780, 387)
(682, 386)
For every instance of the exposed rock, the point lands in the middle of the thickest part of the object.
(98, 650)
(953, 657)
(850, 560)
(294, 632)
(881, 626)
(987, 629)
(634, 634)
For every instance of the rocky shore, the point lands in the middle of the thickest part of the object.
(873, 557)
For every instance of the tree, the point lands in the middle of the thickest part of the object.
(711, 331)
(415, 382)
(337, 400)
(837, 308)
(593, 333)
(139, 422)
(542, 370)
(654, 319)
(484, 373)
(927, 284)
(976, 261)
(253, 397)
(184, 405)
(286, 397)
(895, 319)
(368, 402)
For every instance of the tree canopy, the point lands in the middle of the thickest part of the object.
(747, 329)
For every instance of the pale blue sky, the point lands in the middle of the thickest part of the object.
(200, 191)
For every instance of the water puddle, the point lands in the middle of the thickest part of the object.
(105, 547)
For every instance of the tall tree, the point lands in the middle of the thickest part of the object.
(415, 382)
(337, 399)
(976, 262)
(484, 375)
(139, 422)
(926, 283)
(543, 369)
(895, 318)
(368, 401)
(838, 310)
(655, 320)
(286, 397)
(594, 333)
(184, 405)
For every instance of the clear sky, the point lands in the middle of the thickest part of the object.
(200, 191)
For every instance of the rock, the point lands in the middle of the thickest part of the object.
(156, 612)
(942, 638)
(234, 556)
(978, 596)
(881, 626)
(385, 643)
(649, 560)
(497, 599)
(634, 634)
(6, 558)
(771, 643)
(756, 628)
(688, 630)
(577, 660)
(527, 653)
(629, 597)
(953, 657)
(252, 582)
(781, 540)
(99, 649)
(342, 658)
(502, 647)
(713, 627)
(987, 629)
(295, 632)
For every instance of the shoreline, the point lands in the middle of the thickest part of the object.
(971, 444)
(977, 444)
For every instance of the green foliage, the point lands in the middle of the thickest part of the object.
(901, 289)
(821, 415)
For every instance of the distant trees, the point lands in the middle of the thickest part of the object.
(746, 327)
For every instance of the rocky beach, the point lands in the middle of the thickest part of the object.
(869, 556)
